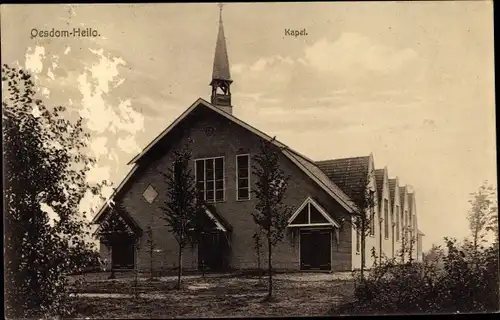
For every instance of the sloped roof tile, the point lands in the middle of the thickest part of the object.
(410, 199)
(392, 189)
(379, 181)
(349, 174)
(402, 191)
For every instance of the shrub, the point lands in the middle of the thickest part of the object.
(46, 164)
(467, 281)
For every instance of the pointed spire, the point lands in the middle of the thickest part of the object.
(221, 60)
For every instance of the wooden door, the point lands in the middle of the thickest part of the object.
(211, 251)
(315, 249)
(123, 255)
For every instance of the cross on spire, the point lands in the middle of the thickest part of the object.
(220, 12)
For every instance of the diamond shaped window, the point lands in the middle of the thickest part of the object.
(150, 194)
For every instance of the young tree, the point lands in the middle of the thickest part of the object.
(257, 245)
(183, 210)
(271, 214)
(434, 255)
(45, 164)
(483, 207)
(364, 216)
(411, 246)
(492, 224)
(151, 248)
(404, 247)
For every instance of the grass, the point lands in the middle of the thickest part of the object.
(214, 296)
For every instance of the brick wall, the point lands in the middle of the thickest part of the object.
(228, 140)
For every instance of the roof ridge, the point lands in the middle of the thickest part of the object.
(346, 158)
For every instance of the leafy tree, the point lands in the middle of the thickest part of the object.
(411, 246)
(45, 163)
(151, 248)
(479, 214)
(271, 214)
(183, 210)
(490, 205)
(257, 245)
(435, 255)
(364, 215)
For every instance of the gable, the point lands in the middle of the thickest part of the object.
(393, 194)
(311, 213)
(158, 146)
(116, 220)
(380, 182)
(403, 198)
(204, 104)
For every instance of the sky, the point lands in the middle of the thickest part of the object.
(410, 82)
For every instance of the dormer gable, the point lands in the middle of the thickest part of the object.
(311, 213)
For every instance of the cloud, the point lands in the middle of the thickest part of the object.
(263, 64)
(92, 84)
(128, 145)
(34, 59)
(50, 74)
(46, 92)
(350, 69)
(355, 53)
(98, 146)
(98, 173)
(106, 70)
(237, 68)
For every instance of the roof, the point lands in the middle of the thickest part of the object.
(411, 199)
(218, 219)
(331, 220)
(392, 189)
(379, 181)
(107, 205)
(304, 163)
(349, 174)
(203, 102)
(121, 213)
(402, 191)
(320, 177)
(221, 60)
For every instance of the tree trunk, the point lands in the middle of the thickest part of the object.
(179, 273)
(151, 262)
(270, 267)
(203, 268)
(136, 292)
(475, 237)
(403, 247)
(381, 243)
(392, 241)
(363, 234)
(258, 265)
(410, 256)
